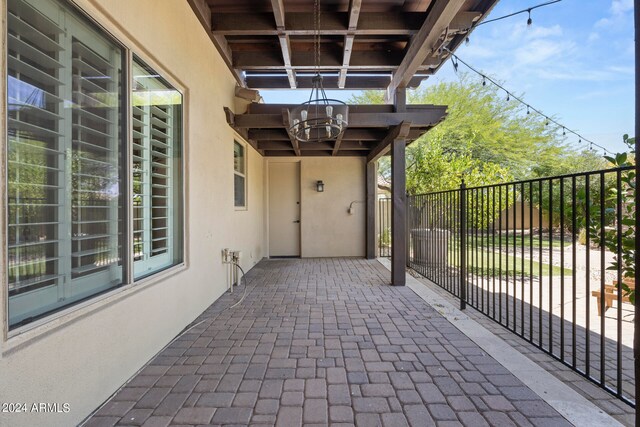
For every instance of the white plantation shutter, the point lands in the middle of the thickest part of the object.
(64, 102)
(156, 172)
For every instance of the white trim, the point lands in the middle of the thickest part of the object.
(241, 142)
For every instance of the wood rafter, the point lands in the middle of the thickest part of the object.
(354, 14)
(337, 145)
(333, 23)
(400, 131)
(423, 44)
(295, 144)
(285, 41)
(427, 117)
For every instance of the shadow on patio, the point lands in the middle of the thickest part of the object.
(318, 342)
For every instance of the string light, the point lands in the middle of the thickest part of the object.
(548, 119)
(528, 10)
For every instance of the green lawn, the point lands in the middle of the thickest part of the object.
(489, 241)
(488, 263)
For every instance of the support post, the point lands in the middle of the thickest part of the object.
(463, 246)
(372, 186)
(398, 212)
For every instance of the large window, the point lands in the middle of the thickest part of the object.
(239, 175)
(157, 172)
(67, 162)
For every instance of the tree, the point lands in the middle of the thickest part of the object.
(625, 263)
(484, 138)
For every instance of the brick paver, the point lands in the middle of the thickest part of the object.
(324, 341)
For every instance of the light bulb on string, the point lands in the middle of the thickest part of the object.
(564, 132)
(467, 41)
(508, 97)
(484, 81)
(547, 123)
(528, 112)
(529, 21)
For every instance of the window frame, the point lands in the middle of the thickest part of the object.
(18, 335)
(243, 144)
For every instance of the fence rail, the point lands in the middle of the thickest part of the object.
(542, 257)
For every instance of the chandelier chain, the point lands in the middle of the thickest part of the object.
(316, 34)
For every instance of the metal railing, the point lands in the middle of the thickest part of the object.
(535, 256)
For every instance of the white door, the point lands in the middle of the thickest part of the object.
(284, 209)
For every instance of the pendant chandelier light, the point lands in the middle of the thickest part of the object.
(320, 118)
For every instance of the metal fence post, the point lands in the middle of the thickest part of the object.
(408, 228)
(463, 246)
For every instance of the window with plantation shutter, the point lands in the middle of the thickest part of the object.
(65, 206)
(157, 172)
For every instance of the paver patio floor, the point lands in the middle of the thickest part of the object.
(319, 342)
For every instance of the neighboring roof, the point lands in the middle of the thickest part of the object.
(383, 184)
(366, 44)
(371, 129)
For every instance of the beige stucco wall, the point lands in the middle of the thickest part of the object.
(85, 354)
(327, 228)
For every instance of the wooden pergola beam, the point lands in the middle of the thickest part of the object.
(279, 80)
(333, 23)
(423, 44)
(337, 145)
(285, 42)
(271, 59)
(350, 136)
(295, 144)
(424, 117)
(203, 13)
(231, 121)
(400, 131)
(354, 14)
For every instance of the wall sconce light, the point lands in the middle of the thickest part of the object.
(319, 186)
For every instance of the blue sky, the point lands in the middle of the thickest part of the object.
(575, 63)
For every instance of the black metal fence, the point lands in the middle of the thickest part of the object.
(544, 258)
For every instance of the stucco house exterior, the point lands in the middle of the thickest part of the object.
(124, 179)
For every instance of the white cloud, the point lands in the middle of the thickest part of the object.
(620, 7)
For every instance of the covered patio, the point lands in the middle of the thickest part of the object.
(318, 342)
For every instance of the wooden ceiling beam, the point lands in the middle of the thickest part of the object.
(244, 133)
(424, 43)
(354, 14)
(278, 80)
(463, 21)
(266, 59)
(421, 117)
(365, 135)
(203, 13)
(338, 145)
(333, 23)
(295, 144)
(401, 131)
(285, 42)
